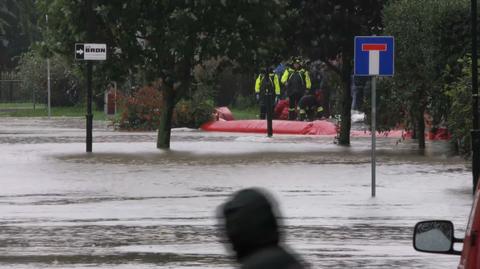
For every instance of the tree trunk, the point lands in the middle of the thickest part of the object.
(165, 128)
(175, 84)
(346, 120)
(414, 124)
(421, 129)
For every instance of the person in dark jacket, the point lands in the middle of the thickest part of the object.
(267, 85)
(297, 82)
(252, 228)
(310, 106)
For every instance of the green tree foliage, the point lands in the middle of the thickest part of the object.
(459, 121)
(18, 30)
(429, 35)
(67, 25)
(167, 39)
(65, 84)
(325, 30)
(391, 113)
(5, 15)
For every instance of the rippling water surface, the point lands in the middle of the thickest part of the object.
(129, 205)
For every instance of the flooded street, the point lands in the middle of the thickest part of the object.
(129, 205)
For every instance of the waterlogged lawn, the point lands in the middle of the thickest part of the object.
(21, 106)
(245, 113)
(26, 110)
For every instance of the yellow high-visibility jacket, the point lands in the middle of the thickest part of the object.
(273, 80)
(303, 74)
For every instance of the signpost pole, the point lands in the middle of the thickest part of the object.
(91, 35)
(269, 105)
(89, 107)
(374, 131)
(374, 56)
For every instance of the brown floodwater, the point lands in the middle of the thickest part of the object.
(129, 205)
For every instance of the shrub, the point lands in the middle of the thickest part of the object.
(142, 111)
(391, 113)
(192, 114)
(429, 35)
(459, 121)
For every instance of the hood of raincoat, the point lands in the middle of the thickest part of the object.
(250, 222)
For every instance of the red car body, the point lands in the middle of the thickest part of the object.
(470, 254)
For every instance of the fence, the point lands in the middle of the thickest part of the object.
(10, 89)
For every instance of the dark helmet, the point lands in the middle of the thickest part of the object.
(250, 222)
(264, 70)
(298, 61)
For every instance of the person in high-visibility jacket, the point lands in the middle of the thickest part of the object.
(267, 85)
(297, 82)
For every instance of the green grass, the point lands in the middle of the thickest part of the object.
(245, 113)
(26, 110)
(21, 106)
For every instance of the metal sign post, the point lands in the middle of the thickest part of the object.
(374, 132)
(374, 56)
(269, 108)
(89, 108)
(90, 52)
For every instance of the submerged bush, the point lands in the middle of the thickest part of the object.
(192, 114)
(142, 111)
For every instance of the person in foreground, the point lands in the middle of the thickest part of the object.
(251, 226)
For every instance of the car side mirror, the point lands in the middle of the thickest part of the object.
(435, 236)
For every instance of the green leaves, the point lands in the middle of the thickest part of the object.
(325, 30)
(459, 121)
(17, 29)
(429, 36)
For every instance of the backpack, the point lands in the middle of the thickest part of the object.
(267, 84)
(296, 83)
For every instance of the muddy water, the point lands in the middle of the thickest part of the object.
(128, 205)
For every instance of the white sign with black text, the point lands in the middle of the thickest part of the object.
(91, 52)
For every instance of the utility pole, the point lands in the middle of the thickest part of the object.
(475, 132)
(90, 35)
(49, 93)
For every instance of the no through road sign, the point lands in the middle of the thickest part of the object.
(374, 56)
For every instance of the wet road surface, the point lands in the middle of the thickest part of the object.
(129, 205)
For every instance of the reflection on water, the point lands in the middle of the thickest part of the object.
(129, 205)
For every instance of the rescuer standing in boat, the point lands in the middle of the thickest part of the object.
(267, 85)
(297, 82)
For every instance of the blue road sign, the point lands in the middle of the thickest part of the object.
(374, 56)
